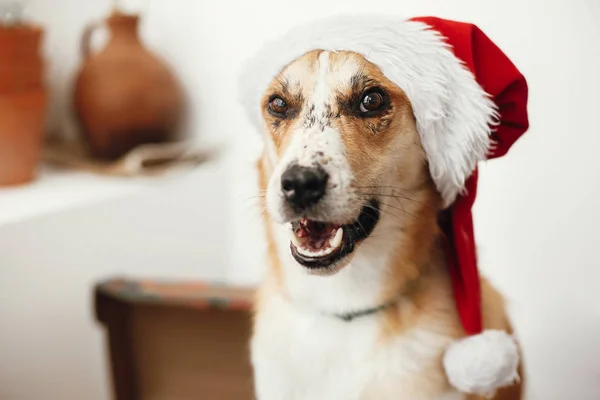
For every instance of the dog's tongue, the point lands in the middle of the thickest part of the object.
(316, 232)
(317, 228)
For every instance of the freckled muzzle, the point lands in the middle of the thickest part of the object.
(312, 191)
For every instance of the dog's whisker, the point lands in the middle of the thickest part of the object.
(397, 197)
(386, 212)
(388, 195)
(398, 209)
(399, 200)
(380, 187)
(404, 211)
(361, 225)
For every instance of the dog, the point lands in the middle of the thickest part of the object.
(357, 303)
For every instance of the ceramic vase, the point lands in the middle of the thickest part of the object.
(23, 102)
(125, 95)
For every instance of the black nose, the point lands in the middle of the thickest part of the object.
(303, 186)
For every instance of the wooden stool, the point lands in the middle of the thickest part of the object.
(176, 341)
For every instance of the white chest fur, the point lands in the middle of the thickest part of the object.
(300, 355)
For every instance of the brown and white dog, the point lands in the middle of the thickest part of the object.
(358, 302)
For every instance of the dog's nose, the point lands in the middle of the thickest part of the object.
(303, 186)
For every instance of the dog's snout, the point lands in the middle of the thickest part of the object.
(303, 186)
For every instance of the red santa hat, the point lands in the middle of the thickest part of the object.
(470, 104)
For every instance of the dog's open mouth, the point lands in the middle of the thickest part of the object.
(319, 244)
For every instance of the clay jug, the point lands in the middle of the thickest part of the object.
(23, 98)
(125, 96)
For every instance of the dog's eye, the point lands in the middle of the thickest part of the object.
(278, 106)
(371, 102)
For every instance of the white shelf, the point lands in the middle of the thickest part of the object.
(56, 190)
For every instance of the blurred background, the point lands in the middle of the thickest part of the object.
(69, 220)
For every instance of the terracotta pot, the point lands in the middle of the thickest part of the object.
(125, 96)
(22, 103)
(19, 43)
(21, 67)
(22, 117)
(18, 76)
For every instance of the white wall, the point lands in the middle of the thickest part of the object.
(535, 216)
(50, 346)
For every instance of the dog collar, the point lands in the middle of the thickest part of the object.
(350, 316)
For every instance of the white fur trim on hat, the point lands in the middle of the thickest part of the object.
(482, 363)
(454, 115)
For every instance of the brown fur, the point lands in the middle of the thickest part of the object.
(372, 144)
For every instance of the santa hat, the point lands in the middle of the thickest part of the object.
(470, 104)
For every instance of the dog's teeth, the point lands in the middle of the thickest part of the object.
(304, 252)
(335, 241)
(298, 242)
(321, 253)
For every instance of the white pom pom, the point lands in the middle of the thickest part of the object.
(482, 363)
